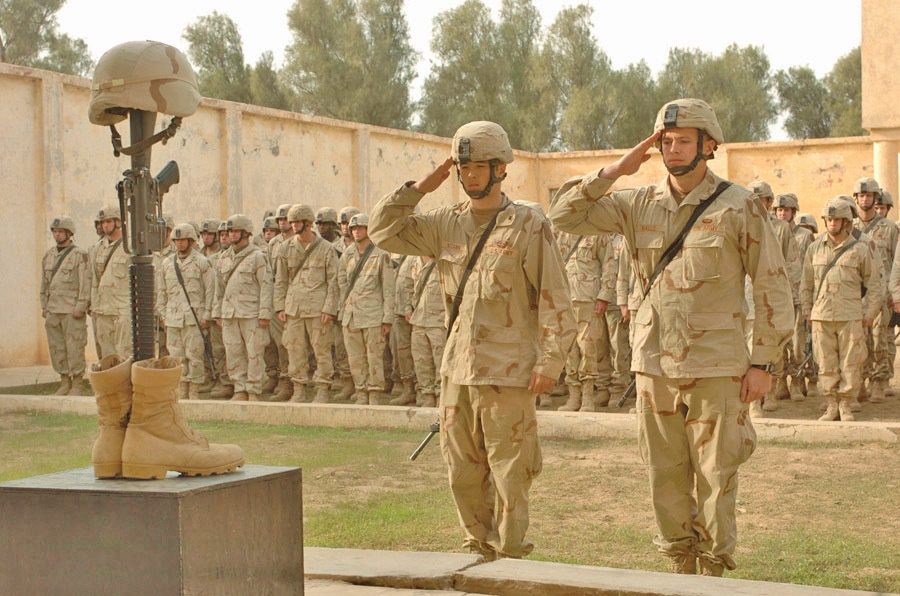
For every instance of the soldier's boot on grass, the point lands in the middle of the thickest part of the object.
(812, 389)
(574, 402)
(283, 390)
(429, 400)
(240, 396)
(831, 409)
(683, 564)
(781, 390)
(299, 393)
(587, 397)
(65, 385)
(711, 568)
(270, 383)
(76, 388)
(222, 391)
(407, 396)
(183, 387)
(797, 389)
(111, 381)
(877, 394)
(846, 411)
(756, 409)
(322, 395)
(158, 439)
(348, 389)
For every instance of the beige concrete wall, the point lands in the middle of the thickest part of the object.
(238, 158)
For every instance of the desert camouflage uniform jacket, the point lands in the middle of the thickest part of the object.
(591, 270)
(839, 298)
(429, 310)
(691, 323)
(70, 288)
(314, 289)
(110, 294)
(370, 303)
(243, 284)
(200, 282)
(516, 315)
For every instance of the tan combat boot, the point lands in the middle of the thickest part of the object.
(361, 397)
(574, 401)
(711, 568)
(348, 389)
(756, 410)
(195, 391)
(183, 387)
(407, 396)
(76, 385)
(685, 564)
(322, 396)
(284, 390)
(831, 409)
(781, 388)
(429, 400)
(812, 389)
(601, 397)
(158, 439)
(299, 394)
(876, 396)
(846, 411)
(111, 380)
(545, 401)
(377, 397)
(240, 396)
(797, 389)
(770, 402)
(270, 383)
(252, 396)
(587, 397)
(65, 385)
(221, 391)
(888, 390)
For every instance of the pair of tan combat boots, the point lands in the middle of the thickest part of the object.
(142, 432)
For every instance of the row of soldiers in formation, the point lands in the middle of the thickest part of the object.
(295, 311)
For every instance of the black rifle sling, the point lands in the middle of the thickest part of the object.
(676, 245)
(572, 251)
(830, 265)
(872, 223)
(359, 265)
(184, 289)
(304, 258)
(109, 255)
(235, 265)
(59, 261)
(457, 300)
(420, 288)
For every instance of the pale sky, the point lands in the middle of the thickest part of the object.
(792, 32)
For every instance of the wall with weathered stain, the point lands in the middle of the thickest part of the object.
(237, 158)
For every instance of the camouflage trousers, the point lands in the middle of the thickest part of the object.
(187, 343)
(66, 339)
(365, 352)
(589, 357)
(299, 334)
(428, 352)
(114, 335)
(840, 351)
(878, 367)
(245, 341)
(218, 350)
(796, 351)
(489, 441)
(339, 358)
(620, 346)
(401, 349)
(276, 354)
(693, 435)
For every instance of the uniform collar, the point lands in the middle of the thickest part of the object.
(506, 217)
(666, 198)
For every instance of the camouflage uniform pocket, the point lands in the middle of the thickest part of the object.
(701, 257)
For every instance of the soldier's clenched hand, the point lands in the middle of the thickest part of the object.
(541, 384)
(756, 384)
(433, 180)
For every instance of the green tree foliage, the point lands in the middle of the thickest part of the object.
(266, 88)
(29, 37)
(804, 99)
(351, 60)
(844, 84)
(217, 55)
(738, 84)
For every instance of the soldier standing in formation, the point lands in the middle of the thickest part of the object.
(65, 297)
(695, 376)
(110, 294)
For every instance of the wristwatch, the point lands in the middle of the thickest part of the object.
(769, 367)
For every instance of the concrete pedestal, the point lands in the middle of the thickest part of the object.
(69, 533)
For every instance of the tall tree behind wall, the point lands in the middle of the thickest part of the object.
(844, 84)
(217, 55)
(29, 37)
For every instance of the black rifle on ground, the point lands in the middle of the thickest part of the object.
(435, 429)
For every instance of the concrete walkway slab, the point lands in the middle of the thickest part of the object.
(324, 587)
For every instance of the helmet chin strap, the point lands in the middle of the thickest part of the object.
(480, 194)
(682, 170)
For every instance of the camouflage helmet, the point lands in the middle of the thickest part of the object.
(347, 213)
(837, 208)
(787, 200)
(481, 141)
(807, 219)
(223, 226)
(184, 231)
(210, 225)
(359, 220)
(300, 213)
(866, 185)
(239, 221)
(109, 212)
(886, 199)
(270, 223)
(689, 113)
(849, 200)
(282, 211)
(62, 222)
(142, 75)
(326, 215)
(761, 189)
